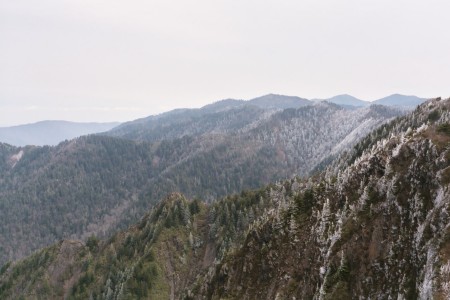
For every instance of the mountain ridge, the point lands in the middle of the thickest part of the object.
(372, 226)
(269, 103)
(395, 100)
(97, 184)
(346, 99)
(400, 100)
(38, 133)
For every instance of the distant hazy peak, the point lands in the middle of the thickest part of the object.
(400, 100)
(50, 132)
(277, 97)
(346, 99)
(279, 101)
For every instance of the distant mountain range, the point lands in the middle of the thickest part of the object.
(275, 101)
(270, 101)
(348, 100)
(223, 116)
(400, 100)
(50, 132)
(167, 125)
(53, 132)
(397, 100)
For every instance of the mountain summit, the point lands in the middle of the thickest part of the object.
(400, 100)
(279, 101)
(347, 100)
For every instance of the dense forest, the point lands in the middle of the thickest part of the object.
(374, 224)
(100, 183)
(97, 184)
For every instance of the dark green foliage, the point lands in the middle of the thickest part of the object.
(92, 243)
(373, 197)
(60, 190)
(84, 281)
(343, 272)
(340, 291)
(4, 268)
(337, 281)
(31, 270)
(444, 128)
(150, 256)
(303, 204)
(141, 281)
(194, 207)
(127, 251)
(434, 116)
(64, 188)
(427, 232)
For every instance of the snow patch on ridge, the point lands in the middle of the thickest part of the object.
(426, 289)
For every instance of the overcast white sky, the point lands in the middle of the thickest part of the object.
(117, 60)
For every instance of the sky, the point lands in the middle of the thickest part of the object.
(117, 60)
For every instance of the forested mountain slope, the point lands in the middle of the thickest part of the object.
(97, 184)
(376, 225)
(225, 116)
(378, 228)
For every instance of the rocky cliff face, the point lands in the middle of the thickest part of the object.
(376, 229)
(374, 225)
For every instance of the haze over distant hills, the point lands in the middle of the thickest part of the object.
(397, 100)
(214, 116)
(53, 132)
(50, 132)
(279, 101)
(167, 124)
(348, 100)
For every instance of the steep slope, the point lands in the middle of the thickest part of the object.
(50, 132)
(378, 228)
(79, 186)
(97, 184)
(373, 226)
(172, 246)
(291, 142)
